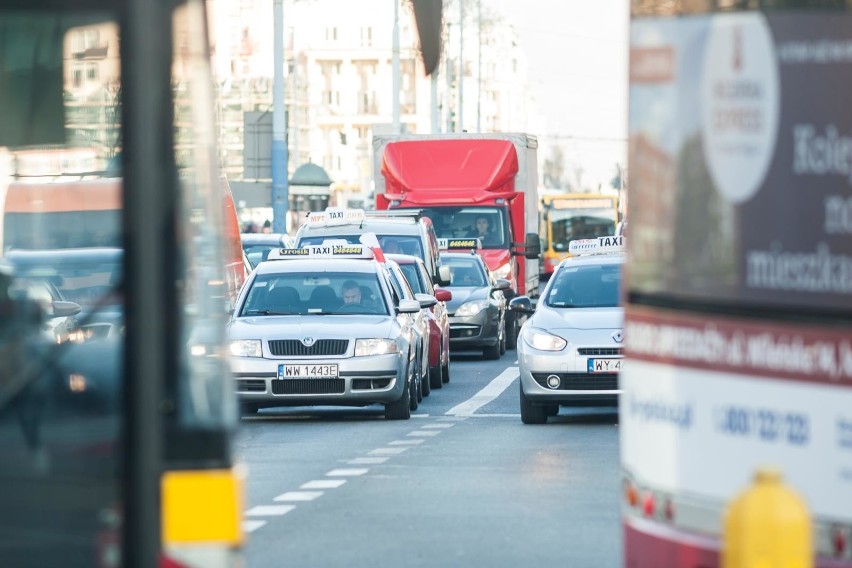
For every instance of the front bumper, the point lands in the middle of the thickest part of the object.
(481, 330)
(577, 386)
(361, 381)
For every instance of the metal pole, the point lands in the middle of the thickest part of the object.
(433, 80)
(396, 70)
(280, 197)
(479, 67)
(461, 66)
(296, 91)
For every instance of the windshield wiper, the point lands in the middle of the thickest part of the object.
(269, 313)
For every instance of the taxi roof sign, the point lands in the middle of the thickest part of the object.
(325, 250)
(334, 216)
(459, 243)
(600, 245)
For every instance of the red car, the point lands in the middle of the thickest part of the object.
(439, 325)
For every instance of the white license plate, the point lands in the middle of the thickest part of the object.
(307, 371)
(604, 365)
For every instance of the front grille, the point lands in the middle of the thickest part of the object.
(580, 381)
(308, 386)
(254, 385)
(600, 351)
(295, 348)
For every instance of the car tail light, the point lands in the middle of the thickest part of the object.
(649, 505)
(631, 494)
(838, 541)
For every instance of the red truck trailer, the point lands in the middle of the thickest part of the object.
(471, 186)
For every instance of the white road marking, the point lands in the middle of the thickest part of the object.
(420, 416)
(386, 451)
(405, 442)
(251, 526)
(437, 426)
(347, 472)
(516, 361)
(323, 484)
(491, 391)
(269, 510)
(496, 416)
(424, 433)
(298, 496)
(452, 418)
(367, 461)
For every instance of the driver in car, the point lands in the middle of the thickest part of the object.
(351, 293)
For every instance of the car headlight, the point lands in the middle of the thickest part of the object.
(543, 341)
(471, 308)
(246, 348)
(367, 347)
(502, 271)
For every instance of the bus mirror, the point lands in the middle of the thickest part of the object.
(532, 246)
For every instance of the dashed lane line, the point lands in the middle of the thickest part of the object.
(251, 526)
(405, 442)
(437, 426)
(323, 484)
(386, 451)
(491, 391)
(352, 472)
(269, 510)
(299, 496)
(367, 461)
(424, 433)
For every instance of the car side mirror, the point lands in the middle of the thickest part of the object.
(408, 307)
(426, 300)
(65, 309)
(521, 304)
(443, 295)
(501, 284)
(532, 246)
(444, 276)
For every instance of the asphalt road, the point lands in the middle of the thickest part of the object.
(463, 483)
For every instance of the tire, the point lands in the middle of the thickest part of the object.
(492, 352)
(436, 379)
(426, 382)
(530, 413)
(413, 397)
(552, 409)
(503, 340)
(445, 372)
(400, 409)
(511, 332)
(248, 410)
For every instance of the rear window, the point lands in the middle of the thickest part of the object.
(585, 287)
(391, 244)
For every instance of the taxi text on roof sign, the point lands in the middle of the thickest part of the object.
(451, 244)
(323, 251)
(334, 216)
(596, 246)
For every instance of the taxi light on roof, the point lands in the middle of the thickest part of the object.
(323, 251)
(459, 244)
(334, 216)
(596, 246)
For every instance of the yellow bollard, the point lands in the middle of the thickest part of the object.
(767, 526)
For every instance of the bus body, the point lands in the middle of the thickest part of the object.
(738, 296)
(569, 216)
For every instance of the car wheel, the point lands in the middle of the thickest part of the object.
(552, 409)
(445, 371)
(401, 409)
(248, 410)
(426, 382)
(511, 332)
(492, 352)
(436, 379)
(530, 413)
(503, 340)
(414, 397)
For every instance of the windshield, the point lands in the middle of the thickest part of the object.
(489, 224)
(585, 287)
(88, 284)
(257, 253)
(580, 223)
(324, 293)
(465, 272)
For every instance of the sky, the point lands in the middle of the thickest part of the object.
(576, 54)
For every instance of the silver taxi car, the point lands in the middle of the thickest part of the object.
(322, 326)
(570, 352)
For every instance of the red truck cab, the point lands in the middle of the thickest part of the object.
(471, 186)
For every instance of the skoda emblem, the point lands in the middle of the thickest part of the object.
(308, 341)
(618, 336)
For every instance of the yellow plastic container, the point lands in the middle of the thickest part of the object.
(767, 526)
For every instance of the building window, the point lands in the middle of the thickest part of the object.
(92, 72)
(331, 34)
(367, 37)
(78, 77)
